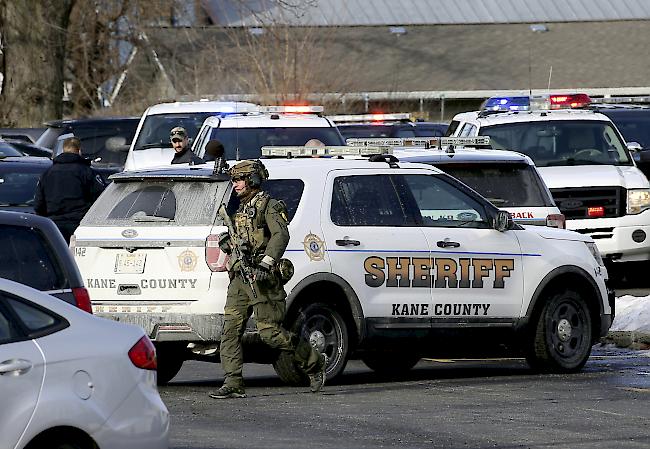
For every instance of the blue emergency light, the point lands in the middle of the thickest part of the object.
(507, 104)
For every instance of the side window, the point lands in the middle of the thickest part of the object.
(199, 143)
(8, 331)
(452, 128)
(151, 201)
(442, 204)
(287, 190)
(367, 200)
(27, 258)
(34, 319)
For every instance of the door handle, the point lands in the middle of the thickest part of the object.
(15, 367)
(446, 243)
(348, 242)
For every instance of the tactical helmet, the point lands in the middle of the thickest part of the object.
(253, 171)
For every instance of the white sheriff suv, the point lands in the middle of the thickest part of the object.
(583, 160)
(391, 259)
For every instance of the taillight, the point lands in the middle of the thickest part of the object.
(556, 221)
(82, 299)
(143, 354)
(214, 257)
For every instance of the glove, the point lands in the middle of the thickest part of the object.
(263, 271)
(224, 242)
(261, 274)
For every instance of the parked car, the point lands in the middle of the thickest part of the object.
(73, 380)
(28, 148)
(18, 178)
(34, 253)
(104, 140)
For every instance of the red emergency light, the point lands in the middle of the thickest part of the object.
(569, 101)
(596, 211)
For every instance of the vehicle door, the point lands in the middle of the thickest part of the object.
(476, 271)
(372, 240)
(21, 375)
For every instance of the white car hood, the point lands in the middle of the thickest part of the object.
(151, 157)
(558, 234)
(629, 177)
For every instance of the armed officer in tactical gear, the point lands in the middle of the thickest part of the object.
(260, 225)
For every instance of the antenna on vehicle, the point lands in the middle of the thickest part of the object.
(550, 73)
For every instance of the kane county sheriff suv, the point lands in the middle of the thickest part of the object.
(391, 259)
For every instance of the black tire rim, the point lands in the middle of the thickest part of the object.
(568, 330)
(325, 335)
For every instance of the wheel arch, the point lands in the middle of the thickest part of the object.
(331, 289)
(47, 437)
(560, 277)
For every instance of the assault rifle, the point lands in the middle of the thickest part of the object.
(238, 250)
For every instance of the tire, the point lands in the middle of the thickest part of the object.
(170, 358)
(326, 330)
(390, 363)
(562, 335)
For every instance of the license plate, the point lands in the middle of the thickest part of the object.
(130, 263)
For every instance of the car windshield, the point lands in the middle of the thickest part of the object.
(561, 142)
(17, 186)
(155, 129)
(249, 141)
(503, 184)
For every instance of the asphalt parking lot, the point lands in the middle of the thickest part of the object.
(439, 404)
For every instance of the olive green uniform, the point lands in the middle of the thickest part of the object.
(262, 222)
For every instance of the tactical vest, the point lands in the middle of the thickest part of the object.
(250, 224)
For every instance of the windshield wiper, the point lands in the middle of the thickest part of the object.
(152, 218)
(154, 145)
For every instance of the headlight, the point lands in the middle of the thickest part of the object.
(638, 200)
(594, 252)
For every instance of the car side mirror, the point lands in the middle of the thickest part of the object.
(502, 221)
(634, 146)
(117, 144)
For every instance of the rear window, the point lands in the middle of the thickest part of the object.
(248, 141)
(504, 185)
(27, 258)
(157, 203)
(18, 185)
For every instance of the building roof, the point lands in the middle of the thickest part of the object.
(420, 12)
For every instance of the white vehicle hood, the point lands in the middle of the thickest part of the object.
(151, 157)
(629, 177)
(558, 234)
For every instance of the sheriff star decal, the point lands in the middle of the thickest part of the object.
(187, 260)
(314, 247)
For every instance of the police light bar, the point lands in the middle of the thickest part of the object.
(428, 142)
(331, 151)
(359, 118)
(502, 104)
(560, 101)
(299, 109)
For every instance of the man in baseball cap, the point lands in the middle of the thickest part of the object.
(180, 143)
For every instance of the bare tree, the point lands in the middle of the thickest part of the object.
(33, 51)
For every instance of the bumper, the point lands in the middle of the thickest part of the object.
(141, 421)
(624, 239)
(161, 327)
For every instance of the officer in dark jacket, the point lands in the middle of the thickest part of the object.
(68, 188)
(180, 142)
(260, 224)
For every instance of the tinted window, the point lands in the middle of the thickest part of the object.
(93, 141)
(157, 203)
(8, 331)
(28, 259)
(504, 185)
(249, 141)
(287, 190)
(33, 320)
(442, 204)
(365, 131)
(561, 142)
(18, 184)
(635, 126)
(7, 150)
(155, 129)
(430, 130)
(368, 201)
(452, 128)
